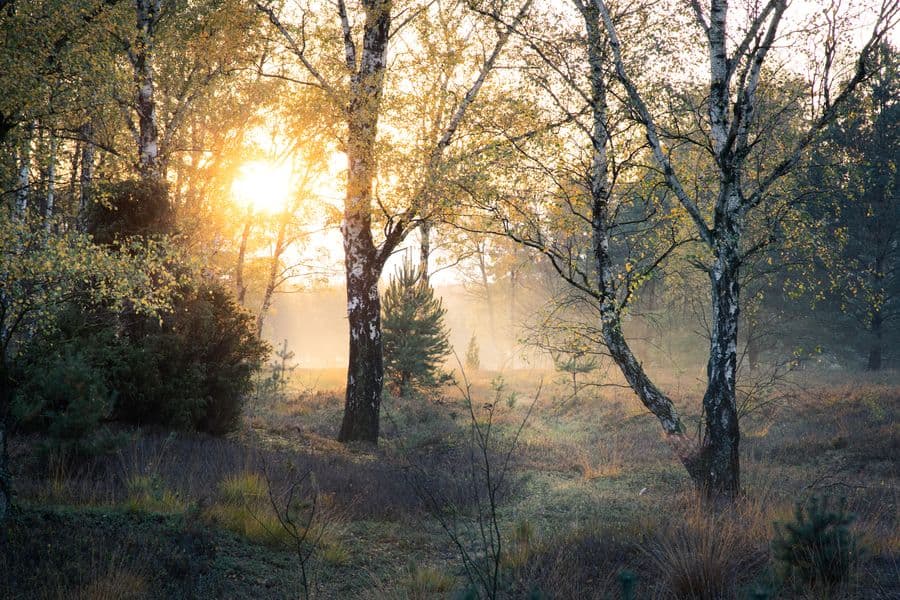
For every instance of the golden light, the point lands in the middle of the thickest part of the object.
(262, 186)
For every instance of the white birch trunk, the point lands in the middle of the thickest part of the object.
(50, 199)
(146, 11)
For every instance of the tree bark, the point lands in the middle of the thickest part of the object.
(875, 350)
(876, 325)
(424, 249)
(50, 199)
(87, 173)
(488, 294)
(362, 261)
(23, 179)
(721, 434)
(601, 220)
(365, 371)
(241, 288)
(272, 279)
(147, 12)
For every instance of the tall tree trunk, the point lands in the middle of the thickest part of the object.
(876, 325)
(272, 279)
(50, 199)
(240, 286)
(73, 176)
(721, 434)
(513, 303)
(23, 180)
(87, 173)
(424, 249)
(147, 12)
(488, 295)
(362, 261)
(875, 350)
(365, 371)
(601, 221)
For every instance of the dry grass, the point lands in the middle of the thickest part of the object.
(591, 465)
(148, 493)
(706, 554)
(423, 582)
(118, 584)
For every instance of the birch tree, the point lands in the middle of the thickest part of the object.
(736, 58)
(356, 92)
(602, 237)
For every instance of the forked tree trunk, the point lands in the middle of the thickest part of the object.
(363, 264)
(363, 261)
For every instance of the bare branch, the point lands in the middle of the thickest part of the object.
(652, 136)
(299, 50)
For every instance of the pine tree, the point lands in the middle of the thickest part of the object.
(415, 338)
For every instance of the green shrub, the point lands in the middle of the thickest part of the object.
(189, 370)
(415, 338)
(192, 370)
(128, 208)
(63, 392)
(817, 548)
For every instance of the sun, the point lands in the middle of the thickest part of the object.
(262, 186)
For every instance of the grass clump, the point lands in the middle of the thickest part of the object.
(425, 582)
(118, 584)
(148, 493)
(707, 554)
(522, 545)
(243, 508)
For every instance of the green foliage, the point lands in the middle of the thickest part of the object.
(40, 274)
(192, 369)
(130, 208)
(503, 393)
(187, 369)
(818, 548)
(415, 338)
(65, 394)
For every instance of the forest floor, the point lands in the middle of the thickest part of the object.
(591, 489)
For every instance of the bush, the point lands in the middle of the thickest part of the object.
(193, 370)
(64, 392)
(129, 208)
(189, 370)
(818, 548)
